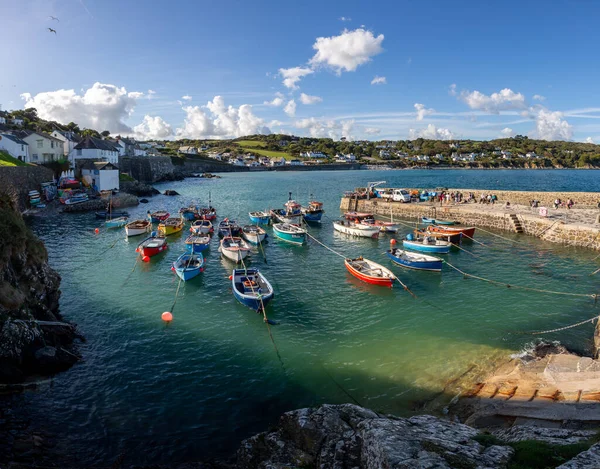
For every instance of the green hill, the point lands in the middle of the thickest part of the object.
(7, 160)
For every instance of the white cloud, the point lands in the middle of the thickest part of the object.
(215, 120)
(452, 89)
(291, 76)
(327, 128)
(550, 125)
(345, 18)
(277, 100)
(589, 140)
(539, 97)
(422, 111)
(347, 51)
(507, 132)
(151, 93)
(372, 131)
(307, 99)
(187, 97)
(378, 80)
(290, 108)
(431, 132)
(503, 100)
(275, 123)
(101, 107)
(154, 128)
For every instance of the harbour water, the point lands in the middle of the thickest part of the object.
(193, 389)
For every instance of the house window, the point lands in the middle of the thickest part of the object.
(40, 143)
(79, 152)
(34, 157)
(51, 144)
(22, 147)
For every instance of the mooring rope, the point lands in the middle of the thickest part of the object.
(563, 328)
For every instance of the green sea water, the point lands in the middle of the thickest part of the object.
(195, 388)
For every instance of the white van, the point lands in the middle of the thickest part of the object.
(401, 195)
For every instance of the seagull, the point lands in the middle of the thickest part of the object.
(54, 18)
(52, 30)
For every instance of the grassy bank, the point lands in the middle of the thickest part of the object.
(7, 160)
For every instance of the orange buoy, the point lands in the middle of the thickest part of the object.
(96, 231)
(167, 316)
(230, 277)
(392, 241)
(146, 258)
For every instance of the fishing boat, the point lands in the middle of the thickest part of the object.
(116, 222)
(195, 244)
(189, 213)
(359, 215)
(138, 227)
(103, 215)
(34, 198)
(158, 217)
(233, 248)
(427, 244)
(76, 199)
(291, 212)
(370, 272)
(436, 221)
(290, 233)
(414, 260)
(229, 228)
(314, 212)
(259, 218)
(384, 226)
(251, 288)
(202, 227)
(188, 266)
(453, 238)
(170, 226)
(253, 234)
(152, 246)
(209, 214)
(356, 229)
(467, 231)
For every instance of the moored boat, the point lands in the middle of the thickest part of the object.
(188, 266)
(359, 215)
(209, 214)
(138, 227)
(202, 227)
(253, 234)
(34, 198)
(76, 199)
(437, 221)
(290, 233)
(356, 229)
(196, 244)
(229, 228)
(453, 238)
(427, 244)
(281, 216)
(189, 213)
(116, 222)
(152, 246)
(370, 272)
(467, 231)
(233, 248)
(259, 218)
(170, 226)
(414, 260)
(314, 212)
(251, 288)
(158, 217)
(103, 215)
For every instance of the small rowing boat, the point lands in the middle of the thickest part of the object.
(356, 229)
(414, 260)
(152, 246)
(427, 244)
(259, 218)
(253, 234)
(76, 199)
(435, 221)
(251, 288)
(188, 266)
(209, 214)
(229, 228)
(233, 248)
(116, 222)
(202, 227)
(370, 272)
(189, 213)
(138, 227)
(103, 215)
(467, 231)
(170, 226)
(290, 233)
(453, 238)
(196, 244)
(158, 217)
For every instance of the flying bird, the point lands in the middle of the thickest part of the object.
(54, 18)
(52, 30)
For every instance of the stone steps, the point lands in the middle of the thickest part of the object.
(516, 223)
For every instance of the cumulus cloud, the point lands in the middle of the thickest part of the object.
(327, 128)
(345, 18)
(347, 51)
(539, 97)
(378, 80)
(216, 120)
(290, 108)
(307, 99)
(431, 132)
(507, 132)
(503, 100)
(293, 75)
(187, 97)
(101, 107)
(452, 89)
(589, 140)
(277, 100)
(151, 93)
(152, 128)
(422, 111)
(372, 131)
(550, 125)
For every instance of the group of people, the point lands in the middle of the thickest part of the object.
(460, 198)
(560, 203)
(488, 199)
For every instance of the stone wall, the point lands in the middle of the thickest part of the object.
(17, 181)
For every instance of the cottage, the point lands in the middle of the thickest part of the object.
(215, 156)
(188, 150)
(139, 151)
(14, 146)
(384, 154)
(69, 139)
(17, 121)
(277, 161)
(103, 174)
(3, 117)
(314, 154)
(95, 148)
(43, 148)
(296, 163)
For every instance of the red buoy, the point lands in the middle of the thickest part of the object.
(167, 316)
(146, 258)
(96, 231)
(392, 241)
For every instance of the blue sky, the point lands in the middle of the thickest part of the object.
(452, 70)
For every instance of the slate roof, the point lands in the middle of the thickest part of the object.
(14, 139)
(100, 165)
(93, 143)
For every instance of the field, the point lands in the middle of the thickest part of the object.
(7, 160)
(251, 143)
(254, 146)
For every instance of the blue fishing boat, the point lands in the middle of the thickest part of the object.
(259, 218)
(414, 260)
(196, 244)
(427, 244)
(314, 212)
(229, 228)
(291, 212)
(290, 233)
(107, 214)
(116, 222)
(435, 221)
(189, 213)
(188, 266)
(251, 288)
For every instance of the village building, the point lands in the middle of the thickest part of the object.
(103, 174)
(95, 148)
(15, 147)
(43, 147)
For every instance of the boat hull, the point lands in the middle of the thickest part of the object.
(263, 219)
(292, 237)
(152, 246)
(254, 238)
(434, 221)
(168, 228)
(254, 297)
(426, 247)
(468, 232)
(115, 223)
(159, 217)
(137, 229)
(366, 232)
(235, 253)
(381, 281)
(185, 272)
(313, 217)
(202, 229)
(434, 265)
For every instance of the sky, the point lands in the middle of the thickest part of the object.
(361, 70)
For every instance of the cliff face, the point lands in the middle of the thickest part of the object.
(33, 338)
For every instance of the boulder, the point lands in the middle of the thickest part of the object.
(171, 192)
(589, 459)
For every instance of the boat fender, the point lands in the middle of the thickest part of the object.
(146, 258)
(153, 234)
(409, 237)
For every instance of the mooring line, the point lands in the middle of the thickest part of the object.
(563, 328)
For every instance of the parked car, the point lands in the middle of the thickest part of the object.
(401, 195)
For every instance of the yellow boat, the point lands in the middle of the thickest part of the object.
(170, 226)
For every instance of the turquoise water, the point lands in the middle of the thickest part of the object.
(195, 388)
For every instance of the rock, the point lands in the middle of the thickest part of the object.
(143, 201)
(46, 355)
(589, 459)
(552, 436)
(348, 436)
(138, 188)
(171, 192)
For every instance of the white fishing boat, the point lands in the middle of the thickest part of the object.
(253, 234)
(357, 229)
(138, 227)
(233, 248)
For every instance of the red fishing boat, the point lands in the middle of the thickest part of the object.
(370, 272)
(158, 217)
(468, 231)
(453, 237)
(152, 246)
(209, 214)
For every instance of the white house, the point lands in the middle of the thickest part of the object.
(314, 154)
(3, 117)
(139, 151)
(189, 150)
(384, 154)
(295, 163)
(237, 162)
(253, 164)
(69, 139)
(278, 161)
(104, 175)
(43, 147)
(120, 145)
(215, 156)
(16, 121)
(95, 148)
(14, 146)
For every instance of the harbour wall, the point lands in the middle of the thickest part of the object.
(552, 230)
(17, 181)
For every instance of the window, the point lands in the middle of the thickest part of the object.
(22, 147)
(79, 152)
(51, 144)
(34, 157)
(40, 143)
